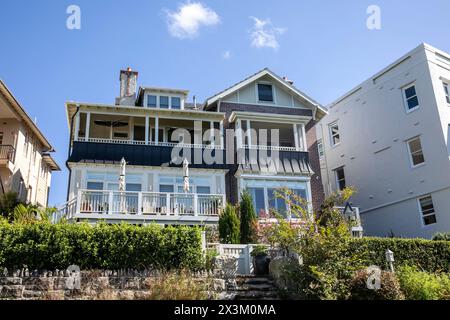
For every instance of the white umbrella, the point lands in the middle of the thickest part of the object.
(186, 175)
(122, 185)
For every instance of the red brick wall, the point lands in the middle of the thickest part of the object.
(317, 191)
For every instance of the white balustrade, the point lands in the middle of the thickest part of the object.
(148, 203)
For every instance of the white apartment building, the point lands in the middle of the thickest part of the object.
(26, 165)
(389, 138)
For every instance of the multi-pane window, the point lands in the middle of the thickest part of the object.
(1, 138)
(335, 136)
(91, 185)
(447, 92)
(151, 101)
(176, 103)
(410, 96)
(427, 210)
(320, 148)
(164, 102)
(415, 151)
(340, 178)
(258, 198)
(265, 92)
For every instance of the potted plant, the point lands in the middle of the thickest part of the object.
(261, 260)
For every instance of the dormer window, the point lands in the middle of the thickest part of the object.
(164, 102)
(151, 101)
(265, 92)
(176, 103)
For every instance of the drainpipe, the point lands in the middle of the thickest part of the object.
(69, 151)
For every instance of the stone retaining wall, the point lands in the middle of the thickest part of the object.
(102, 285)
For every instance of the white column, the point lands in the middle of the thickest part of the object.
(222, 141)
(238, 134)
(249, 134)
(297, 142)
(88, 125)
(131, 128)
(156, 130)
(211, 134)
(147, 129)
(77, 126)
(305, 146)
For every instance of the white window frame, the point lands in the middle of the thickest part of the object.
(274, 98)
(338, 188)
(405, 100)
(320, 149)
(242, 186)
(422, 215)
(411, 162)
(331, 125)
(446, 92)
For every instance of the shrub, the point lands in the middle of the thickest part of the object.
(431, 256)
(249, 222)
(442, 236)
(419, 285)
(47, 246)
(260, 251)
(229, 226)
(179, 286)
(389, 287)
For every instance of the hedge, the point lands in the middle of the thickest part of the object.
(430, 256)
(120, 246)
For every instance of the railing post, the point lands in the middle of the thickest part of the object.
(168, 204)
(78, 206)
(110, 202)
(139, 208)
(196, 204)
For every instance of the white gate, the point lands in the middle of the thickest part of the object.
(241, 252)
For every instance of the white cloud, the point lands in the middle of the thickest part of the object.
(186, 22)
(264, 34)
(226, 55)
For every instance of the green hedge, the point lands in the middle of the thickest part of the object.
(46, 246)
(431, 256)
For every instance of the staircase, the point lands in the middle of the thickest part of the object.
(252, 288)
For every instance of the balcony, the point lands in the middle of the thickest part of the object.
(7, 156)
(141, 207)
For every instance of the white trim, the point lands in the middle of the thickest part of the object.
(268, 117)
(256, 77)
(422, 216)
(405, 100)
(332, 143)
(411, 162)
(274, 98)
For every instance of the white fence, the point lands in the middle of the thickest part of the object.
(241, 252)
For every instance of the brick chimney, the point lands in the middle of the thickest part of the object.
(128, 87)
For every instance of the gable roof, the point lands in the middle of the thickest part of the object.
(22, 114)
(277, 78)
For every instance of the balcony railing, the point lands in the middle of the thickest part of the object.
(7, 152)
(149, 143)
(144, 204)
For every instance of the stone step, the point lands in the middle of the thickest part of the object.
(255, 287)
(255, 295)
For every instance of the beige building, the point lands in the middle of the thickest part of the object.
(25, 162)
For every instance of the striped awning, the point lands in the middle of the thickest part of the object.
(278, 166)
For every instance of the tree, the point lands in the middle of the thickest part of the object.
(249, 222)
(8, 201)
(229, 226)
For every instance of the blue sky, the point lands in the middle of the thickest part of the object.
(324, 46)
